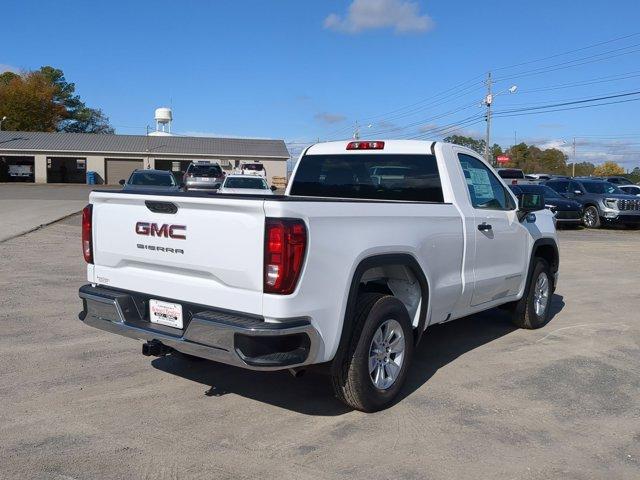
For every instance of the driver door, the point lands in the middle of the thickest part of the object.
(500, 239)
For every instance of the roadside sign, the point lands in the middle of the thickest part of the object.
(503, 159)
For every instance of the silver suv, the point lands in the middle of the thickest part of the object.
(603, 202)
(203, 176)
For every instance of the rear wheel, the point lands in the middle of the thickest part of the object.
(370, 373)
(591, 217)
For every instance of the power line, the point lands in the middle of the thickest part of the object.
(408, 110)
(568, 52)
(568, 108)
(586, 100)
(572, 63)
(609, 78)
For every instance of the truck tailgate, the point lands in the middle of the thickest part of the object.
(210, 251)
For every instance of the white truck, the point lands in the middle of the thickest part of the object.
(342, 270)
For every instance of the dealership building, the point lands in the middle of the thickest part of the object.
(44, 157)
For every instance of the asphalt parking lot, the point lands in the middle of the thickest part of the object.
(25, 206)
(483, 400)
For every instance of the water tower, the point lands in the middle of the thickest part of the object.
(163, 119)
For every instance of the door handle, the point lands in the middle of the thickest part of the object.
(484, 226)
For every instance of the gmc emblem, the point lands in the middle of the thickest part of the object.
(164, 230)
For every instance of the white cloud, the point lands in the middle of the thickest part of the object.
(330, 118)
(401, 15)
(596, 151)
(428, 127)
(8, 68)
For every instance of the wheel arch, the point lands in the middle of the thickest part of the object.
(591, 203)
(383, 260)
(547, 249)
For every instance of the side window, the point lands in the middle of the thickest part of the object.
(573, 186)
(485, 190)
(560, 187)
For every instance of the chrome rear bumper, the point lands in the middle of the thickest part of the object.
(235, 339)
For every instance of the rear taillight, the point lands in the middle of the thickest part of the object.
(514, 182)
(87, 243)
(365, 146)
(284, 248)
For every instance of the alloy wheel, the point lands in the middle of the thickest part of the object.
(386, 354)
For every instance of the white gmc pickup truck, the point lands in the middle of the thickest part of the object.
(373, 242)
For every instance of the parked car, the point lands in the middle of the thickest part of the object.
(246, 185)
(253, 168)
(630, 189)
(21, 171)
(338, 272)
(619, 180)
(603, 202)
(150, 180)
(539, 176)
(567, 212)
(514, 176)
(203, 176)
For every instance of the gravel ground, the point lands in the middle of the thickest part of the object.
(483, 400)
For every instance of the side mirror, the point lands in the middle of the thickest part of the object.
(529, 202)
(122, 182)
(577, 192)
(273, 188)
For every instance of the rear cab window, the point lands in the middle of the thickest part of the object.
(402, 177)
(152, 179)
(255, 167)
(255, 183)
(511, 173)
(205, 170)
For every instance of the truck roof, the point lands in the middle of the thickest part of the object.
(390, 146)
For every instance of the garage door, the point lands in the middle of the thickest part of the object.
(117, 169)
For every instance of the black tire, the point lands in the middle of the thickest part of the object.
(591, 217)
(523, 312)
(350, 370)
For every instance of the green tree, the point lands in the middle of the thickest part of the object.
(6, 77)
(608, 168)
(44, 100)
(583, 169)
(469, 142)
(28, 103)
(552, 161)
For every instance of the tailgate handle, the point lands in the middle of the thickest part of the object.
(161, 207)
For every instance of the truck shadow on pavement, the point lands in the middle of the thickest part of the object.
(312, 393)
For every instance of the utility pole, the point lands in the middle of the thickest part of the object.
(574, 158)
(488, 100)
(356, 131)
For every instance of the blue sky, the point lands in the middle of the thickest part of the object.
(302, 70)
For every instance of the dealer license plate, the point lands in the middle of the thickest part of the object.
(165, 313)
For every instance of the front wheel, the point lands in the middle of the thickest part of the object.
(591, 217)
(370, 373)
(533, 310)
